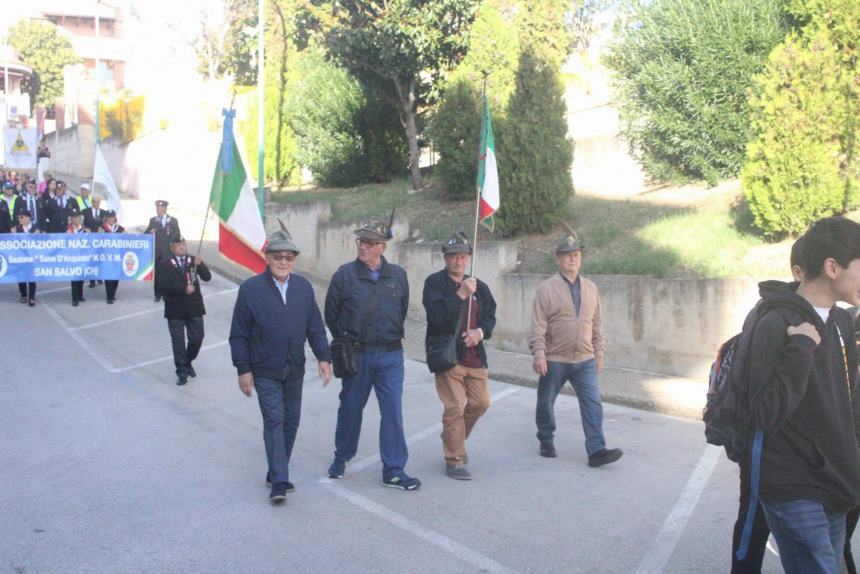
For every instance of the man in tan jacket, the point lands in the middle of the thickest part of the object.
(567, 345)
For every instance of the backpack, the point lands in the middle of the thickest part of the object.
(727, 417)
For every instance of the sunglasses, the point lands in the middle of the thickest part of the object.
(283, 256)
(367, 242)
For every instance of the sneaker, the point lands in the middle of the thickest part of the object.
(337, 469)
(457, 472)
(191, 372)
(279, 493)
(403, 482)
(181, 380)
(604, 456)
(547, 449)
(290, 486)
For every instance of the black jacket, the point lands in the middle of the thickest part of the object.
(349, 295)
(163, 234)
(268, 337)
(92, 222)
(57, 215)
(443, 309)
(172, 277)
(805, 402)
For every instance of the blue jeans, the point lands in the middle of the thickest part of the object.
(281, 406)
(583, 377)
(810, 540)
(383, 372)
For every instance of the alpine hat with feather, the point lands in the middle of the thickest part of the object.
(569, 242)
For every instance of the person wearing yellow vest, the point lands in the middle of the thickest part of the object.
(9, 207)
(84, 199)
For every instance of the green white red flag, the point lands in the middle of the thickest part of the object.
(241, 233)
(488, 174)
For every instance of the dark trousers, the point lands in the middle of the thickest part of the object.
(77, 291)
(183, 354)
(281, 407)
(110, 288)
(382, 372)
(751, 564)
(27, 290)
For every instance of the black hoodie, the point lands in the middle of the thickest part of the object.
(805, 402)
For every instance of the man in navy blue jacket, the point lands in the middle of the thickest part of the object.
(275, 314)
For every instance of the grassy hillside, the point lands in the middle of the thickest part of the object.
(674, 232)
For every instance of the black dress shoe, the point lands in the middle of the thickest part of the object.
(82, 300)
(181, 380)
(92, 284)
(547, 449)
(74, 303)
(604, 456)
(191, 372)
(279, 493)
(110, 301)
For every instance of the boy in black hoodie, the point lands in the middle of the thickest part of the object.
(802, 397)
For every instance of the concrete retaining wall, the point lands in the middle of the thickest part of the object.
(662, 326)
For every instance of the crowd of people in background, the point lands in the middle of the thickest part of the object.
(28, 206)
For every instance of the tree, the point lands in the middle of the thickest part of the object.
(400, 48)
(348, 136)
(534, 153)
(47, 52)
(802, 164)
(682, 72)
(541, 28)
(240, 41)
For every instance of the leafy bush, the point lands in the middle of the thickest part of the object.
(533, 150)
(346, 137)
(803, 163)
(456, 133)
(683, 68)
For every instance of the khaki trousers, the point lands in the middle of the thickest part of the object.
(465, 396)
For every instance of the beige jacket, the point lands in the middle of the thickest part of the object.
(557, 333)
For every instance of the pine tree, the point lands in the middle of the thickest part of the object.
(534, 151)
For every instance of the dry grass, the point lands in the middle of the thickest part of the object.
(673, 232)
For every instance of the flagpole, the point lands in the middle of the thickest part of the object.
(481, 152)
(261, 110)
(209, 205)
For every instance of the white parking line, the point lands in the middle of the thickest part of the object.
(666, 540)
(68, 328)
(480, 561)
(144, 312)
(166, 358)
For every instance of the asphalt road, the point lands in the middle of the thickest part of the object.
(107, 466)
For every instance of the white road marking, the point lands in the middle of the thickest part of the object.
(144, 312)
(57, 290)
(664, 544)
(165, 358)
(420, 435)
(87, 348)
(480, 561)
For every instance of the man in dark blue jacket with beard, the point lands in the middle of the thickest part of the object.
(275, 313)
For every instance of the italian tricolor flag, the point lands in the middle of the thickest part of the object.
(241, 233)
(488, 174)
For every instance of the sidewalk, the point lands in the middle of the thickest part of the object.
(649, 391)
